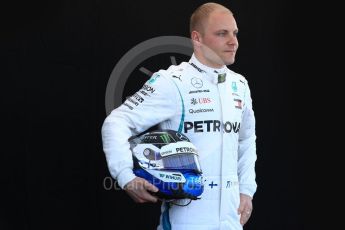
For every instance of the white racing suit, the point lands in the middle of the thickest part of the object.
(215, 112)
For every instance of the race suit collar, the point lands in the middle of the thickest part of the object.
(212, 74)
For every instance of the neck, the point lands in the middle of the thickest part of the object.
(203, 60)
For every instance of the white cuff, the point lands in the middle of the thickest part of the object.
(125, 176)
(248, 189)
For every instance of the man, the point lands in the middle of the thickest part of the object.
(212, 106)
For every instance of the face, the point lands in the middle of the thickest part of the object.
(218, 41)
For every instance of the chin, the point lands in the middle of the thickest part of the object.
(229, 62)
(229, 59)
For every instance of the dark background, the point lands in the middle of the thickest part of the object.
(57, 59)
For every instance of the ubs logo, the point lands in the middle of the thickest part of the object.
(196, 82)
(200, 100)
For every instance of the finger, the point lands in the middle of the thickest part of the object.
(142, 196)
(243, 219)
(135, 197)
(247, 211)
(245, 215)
(150, 198)
(150, 187)
(240, 210)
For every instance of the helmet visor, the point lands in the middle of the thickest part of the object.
(180, 155)
(187, 161)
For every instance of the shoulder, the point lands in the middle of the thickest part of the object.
(237, 77)
(180, 69)
(166, 81)
(177, 73)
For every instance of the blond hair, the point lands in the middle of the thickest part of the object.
(201, 14)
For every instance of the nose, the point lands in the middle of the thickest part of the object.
(232, 40)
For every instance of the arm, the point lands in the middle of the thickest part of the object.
(152, 104)
(246, 159)
(247, 148)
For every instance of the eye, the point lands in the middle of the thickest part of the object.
(222, 33)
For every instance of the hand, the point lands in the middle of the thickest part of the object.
(139, 190)
(245, 209)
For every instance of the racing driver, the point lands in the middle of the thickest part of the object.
(212, 106)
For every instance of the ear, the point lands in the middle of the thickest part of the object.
(196, 38)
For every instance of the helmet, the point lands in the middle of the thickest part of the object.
(168, 160)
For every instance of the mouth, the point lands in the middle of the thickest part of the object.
(231, 53)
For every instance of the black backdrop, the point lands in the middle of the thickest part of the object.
(58, 57)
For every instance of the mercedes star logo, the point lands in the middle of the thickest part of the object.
(196, 82)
